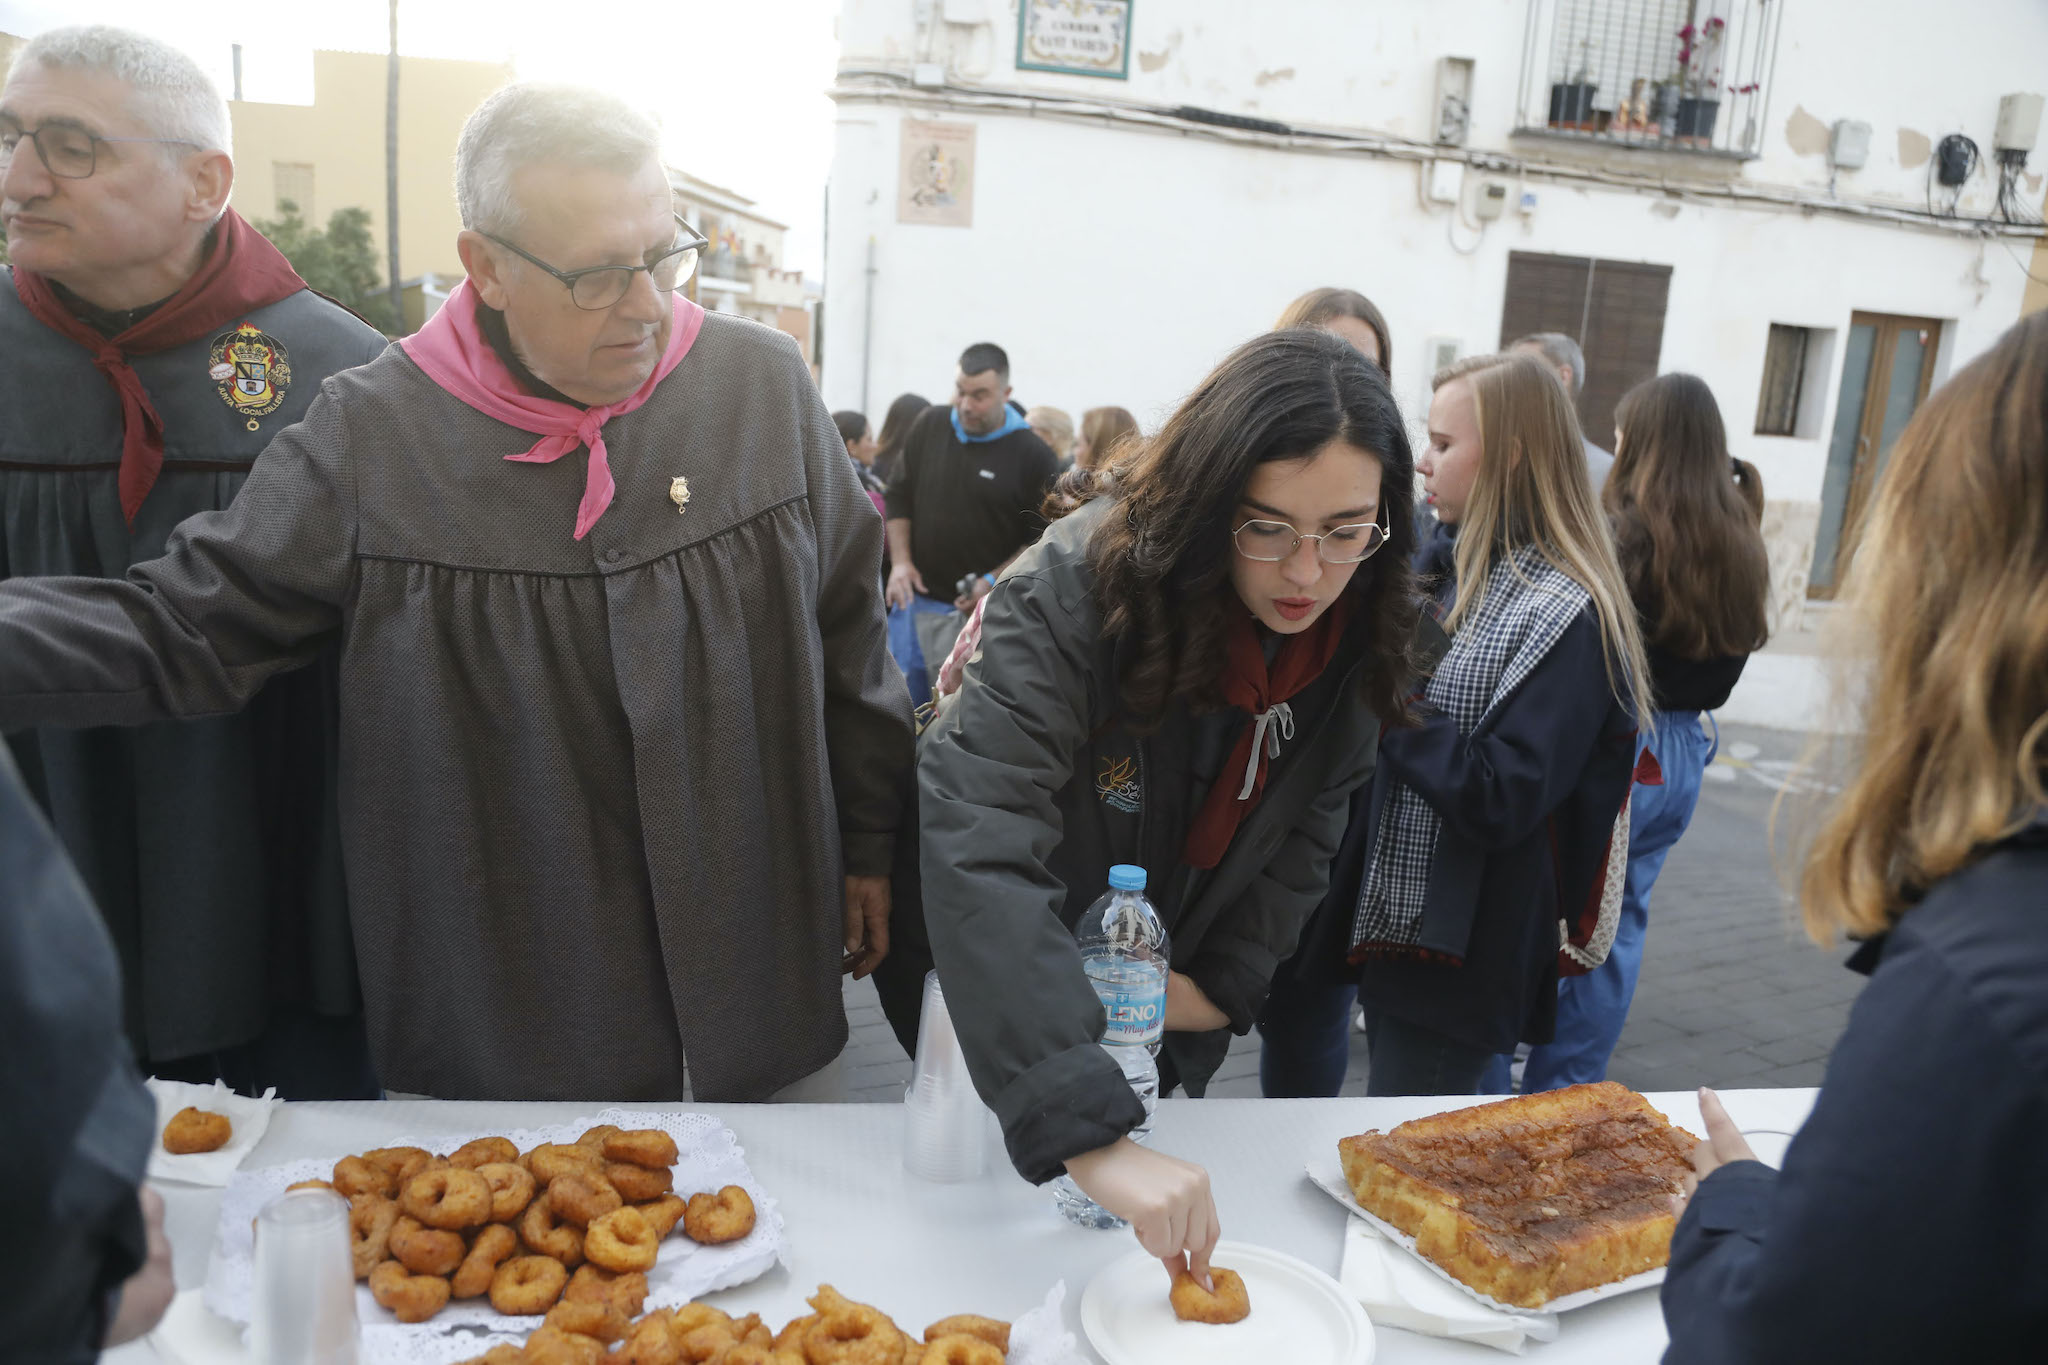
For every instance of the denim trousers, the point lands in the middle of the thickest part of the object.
(1592, 1008)
(905, 650)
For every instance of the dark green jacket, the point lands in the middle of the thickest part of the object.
(1029, 789)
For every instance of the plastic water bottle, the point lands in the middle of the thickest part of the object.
(1123, 949)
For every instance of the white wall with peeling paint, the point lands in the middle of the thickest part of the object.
(1118, 264)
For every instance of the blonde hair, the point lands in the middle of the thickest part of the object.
(1532, 489)
(1948, 596)
(1107, 429)
(1054, 427)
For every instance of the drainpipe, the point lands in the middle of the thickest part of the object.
(867, 326)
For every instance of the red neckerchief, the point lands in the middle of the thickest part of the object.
(242, 272)
(1251, 688)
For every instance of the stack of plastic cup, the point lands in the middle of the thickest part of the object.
(945, 1124)
(304, 1312)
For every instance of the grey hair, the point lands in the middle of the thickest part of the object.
(526, 124)
(172, 95)
(1559, 349)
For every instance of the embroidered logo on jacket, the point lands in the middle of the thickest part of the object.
(1117, 784)
(250, 370)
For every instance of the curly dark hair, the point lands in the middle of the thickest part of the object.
(1162, 554)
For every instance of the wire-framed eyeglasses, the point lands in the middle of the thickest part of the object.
(601, 286)
(1270, 542)
(68, 151)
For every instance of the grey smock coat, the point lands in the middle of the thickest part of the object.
(597, 797)
(211, 845)
(1030, 788)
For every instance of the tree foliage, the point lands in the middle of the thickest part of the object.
(339, 260)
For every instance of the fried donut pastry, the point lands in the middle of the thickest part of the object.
(723, 1217)
(958, 1348)
(663, 1214)
(402, 1162)
(498, 1355)
(482, 1151)
(551, 1346)
(527, 1286)
(1231, 1302)
(354, 1176)
(472, 1279)
(639, 1184)
(790, 1340)
(511, 1187)
(750, 1330)
(545, 1236)
(553, 1159)
(309, 1185)
(449, 1198)
(196, 1130)
(424, 1250)
(621, 1240)
(594, 1284)
(693, 1316)
(849, 1333)
(649, 1147)
(600, 1320)
(647, 1343)
(992, 1330)
(581, 1197)
(413, 1298)
(594, 1137)
(370, 1219)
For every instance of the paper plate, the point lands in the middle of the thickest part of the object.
(1298, 1313)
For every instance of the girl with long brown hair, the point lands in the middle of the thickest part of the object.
(1928, 1132)
(1186, 674)
(1344, 313)
(1488, 842)
(1685, 516)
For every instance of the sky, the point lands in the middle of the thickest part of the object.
(738, 86)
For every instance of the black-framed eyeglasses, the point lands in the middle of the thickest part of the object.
(68, 151)
(1270, 542)
(601, 286)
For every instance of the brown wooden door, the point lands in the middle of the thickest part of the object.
(1613, 309)
(1887, 368)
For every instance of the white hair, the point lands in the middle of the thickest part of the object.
(1560, 350)
(170, 94)
(526, 124)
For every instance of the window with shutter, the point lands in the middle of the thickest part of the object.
(1613, 309)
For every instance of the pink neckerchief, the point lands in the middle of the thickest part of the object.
(456, 355)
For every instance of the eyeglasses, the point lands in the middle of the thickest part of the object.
(601, 286)
(1270, 542)
(67, 151)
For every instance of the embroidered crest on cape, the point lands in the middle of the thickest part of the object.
(250, 370)
(1117, 784)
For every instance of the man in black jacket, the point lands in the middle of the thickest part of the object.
(84, 1262)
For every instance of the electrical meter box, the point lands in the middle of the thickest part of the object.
(2019, 123)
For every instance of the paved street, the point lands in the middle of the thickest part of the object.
(1732, 993)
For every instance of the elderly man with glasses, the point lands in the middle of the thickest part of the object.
(622, 749)
(155, 343)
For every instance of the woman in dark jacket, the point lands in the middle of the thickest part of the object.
(1907, 1222)
(1245, 575)
(1488, 840)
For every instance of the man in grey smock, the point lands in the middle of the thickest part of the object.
(622, 747)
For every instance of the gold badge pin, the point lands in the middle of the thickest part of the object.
(679, 494)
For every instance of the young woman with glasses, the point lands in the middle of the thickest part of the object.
(1494, 822)
(1187, 674)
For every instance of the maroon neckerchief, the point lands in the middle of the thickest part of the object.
(1252, 688)
(242, 272)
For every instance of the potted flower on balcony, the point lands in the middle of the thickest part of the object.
(1571, 102)
(1699, 81)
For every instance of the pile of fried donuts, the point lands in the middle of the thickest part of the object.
(491, 1220)
(590, 1328)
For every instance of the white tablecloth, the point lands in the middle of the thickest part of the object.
(921, 1251)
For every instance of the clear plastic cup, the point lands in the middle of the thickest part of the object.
(304, 1310)
(945, 1124)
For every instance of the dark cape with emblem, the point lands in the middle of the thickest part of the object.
(598, 797)
(210, 844)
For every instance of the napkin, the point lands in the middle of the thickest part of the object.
(249, 1117)
(1398, 1292)
(1040, 1337)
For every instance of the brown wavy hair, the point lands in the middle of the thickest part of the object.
(1162, 555)
(1686, 518)
(1948, 596)
(1106, 430)
(1319, 306)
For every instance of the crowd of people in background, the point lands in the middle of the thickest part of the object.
(1399, 734)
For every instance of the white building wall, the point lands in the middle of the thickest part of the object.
(1117, 265)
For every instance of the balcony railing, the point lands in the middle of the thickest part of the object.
(1664, 75)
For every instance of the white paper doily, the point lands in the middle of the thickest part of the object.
(708, 1157)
